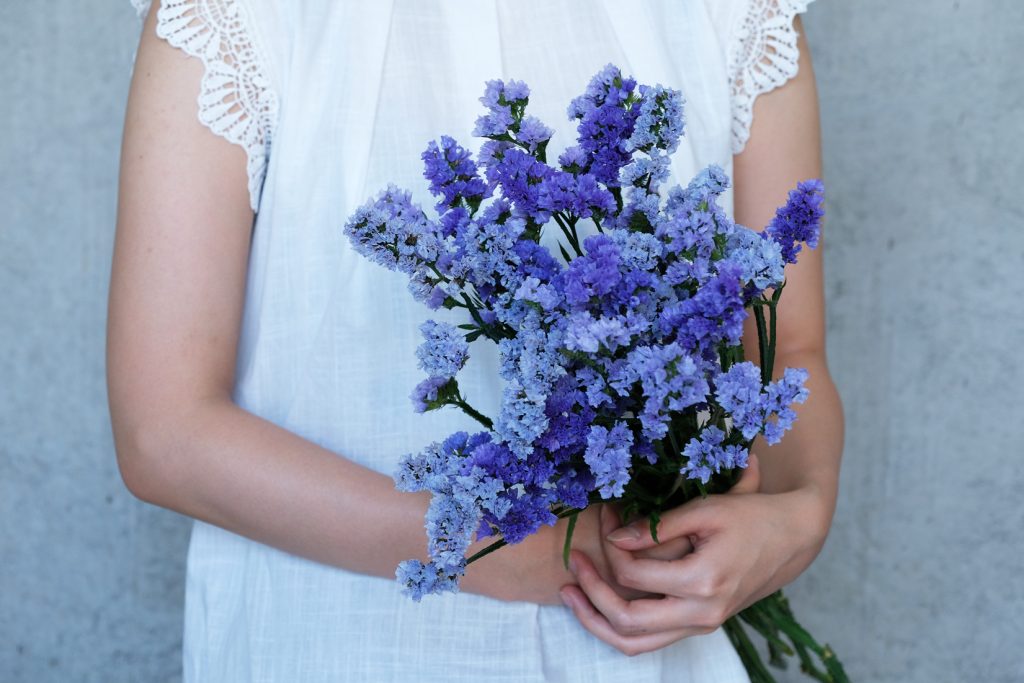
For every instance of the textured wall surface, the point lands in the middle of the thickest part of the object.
(90, 579)
(920, 582)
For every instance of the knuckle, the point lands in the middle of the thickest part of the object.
(712, 618)
(623, 622)
(624, 575)
(706, 586)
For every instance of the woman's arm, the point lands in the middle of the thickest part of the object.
(177, 289)
(784, 148)
(767, 530)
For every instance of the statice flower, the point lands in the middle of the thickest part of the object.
(452, 174)
(659, 123)
(533, 133)
(706, 455)
(540, 293)
(670, 378)
(529, 510)
(426, 394)
(760, 410)
(444, 351)
(705, 186)
(638, 250)
(782, 394)
(419, 579)
(590, 335)
(738, 391)
(594, 274)
(488, 249)
(714, 314)
(645, 172)
(522, 419)
(759, 259)
(578, 195)
(607, 115)
(574, 160)
(392, 231)
(608, 455)
(799, 220)
(521, 176)
(503, 101)
(531, 365)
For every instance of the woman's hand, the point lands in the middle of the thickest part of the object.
(533, 570)
(746, 545)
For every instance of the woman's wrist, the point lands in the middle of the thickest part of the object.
(808, 517)
(529, 571)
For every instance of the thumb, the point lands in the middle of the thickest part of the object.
(750, 480)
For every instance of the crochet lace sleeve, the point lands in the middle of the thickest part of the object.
(762, 56)
(236, 100)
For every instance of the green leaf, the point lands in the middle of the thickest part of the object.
(652, 521)
(568, 538)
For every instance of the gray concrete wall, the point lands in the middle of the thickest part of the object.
(920, 582)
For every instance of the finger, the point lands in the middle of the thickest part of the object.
(750, 480)
(673, 549)
(632, 617)
(644, 573)
(694, 518)
(600, 627)
(668, 549)
(672, 577)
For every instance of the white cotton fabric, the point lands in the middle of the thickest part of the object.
(333, 100)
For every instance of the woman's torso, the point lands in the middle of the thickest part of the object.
(328, 338)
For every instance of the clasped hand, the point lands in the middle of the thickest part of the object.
(737, 548)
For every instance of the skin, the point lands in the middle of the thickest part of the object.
(177, 292)
(770, 527)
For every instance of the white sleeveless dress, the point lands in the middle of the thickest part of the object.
(333, 99)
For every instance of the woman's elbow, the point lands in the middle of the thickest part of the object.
(142, 457)
(154, 450)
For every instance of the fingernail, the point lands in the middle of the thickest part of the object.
(572, 565)
(626, 533)
(566, 600)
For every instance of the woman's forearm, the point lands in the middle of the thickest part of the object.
(223, 465)
(807, 459)
(220, 464)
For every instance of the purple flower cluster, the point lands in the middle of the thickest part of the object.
(613, 352)
(799, 220)
(452, 174)
(757, 409)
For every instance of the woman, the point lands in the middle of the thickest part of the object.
(259, 369)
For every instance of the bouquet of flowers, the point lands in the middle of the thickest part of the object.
(624, 373)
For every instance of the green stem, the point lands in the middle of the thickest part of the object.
(501, 542)
(748, 653)
(568, 537)
(772, 616)
(762, 343)
(570, 235)
(772, 336)
(487, 551)
(473, 413)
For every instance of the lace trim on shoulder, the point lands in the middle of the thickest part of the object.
(235, 100)
(763, 56)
